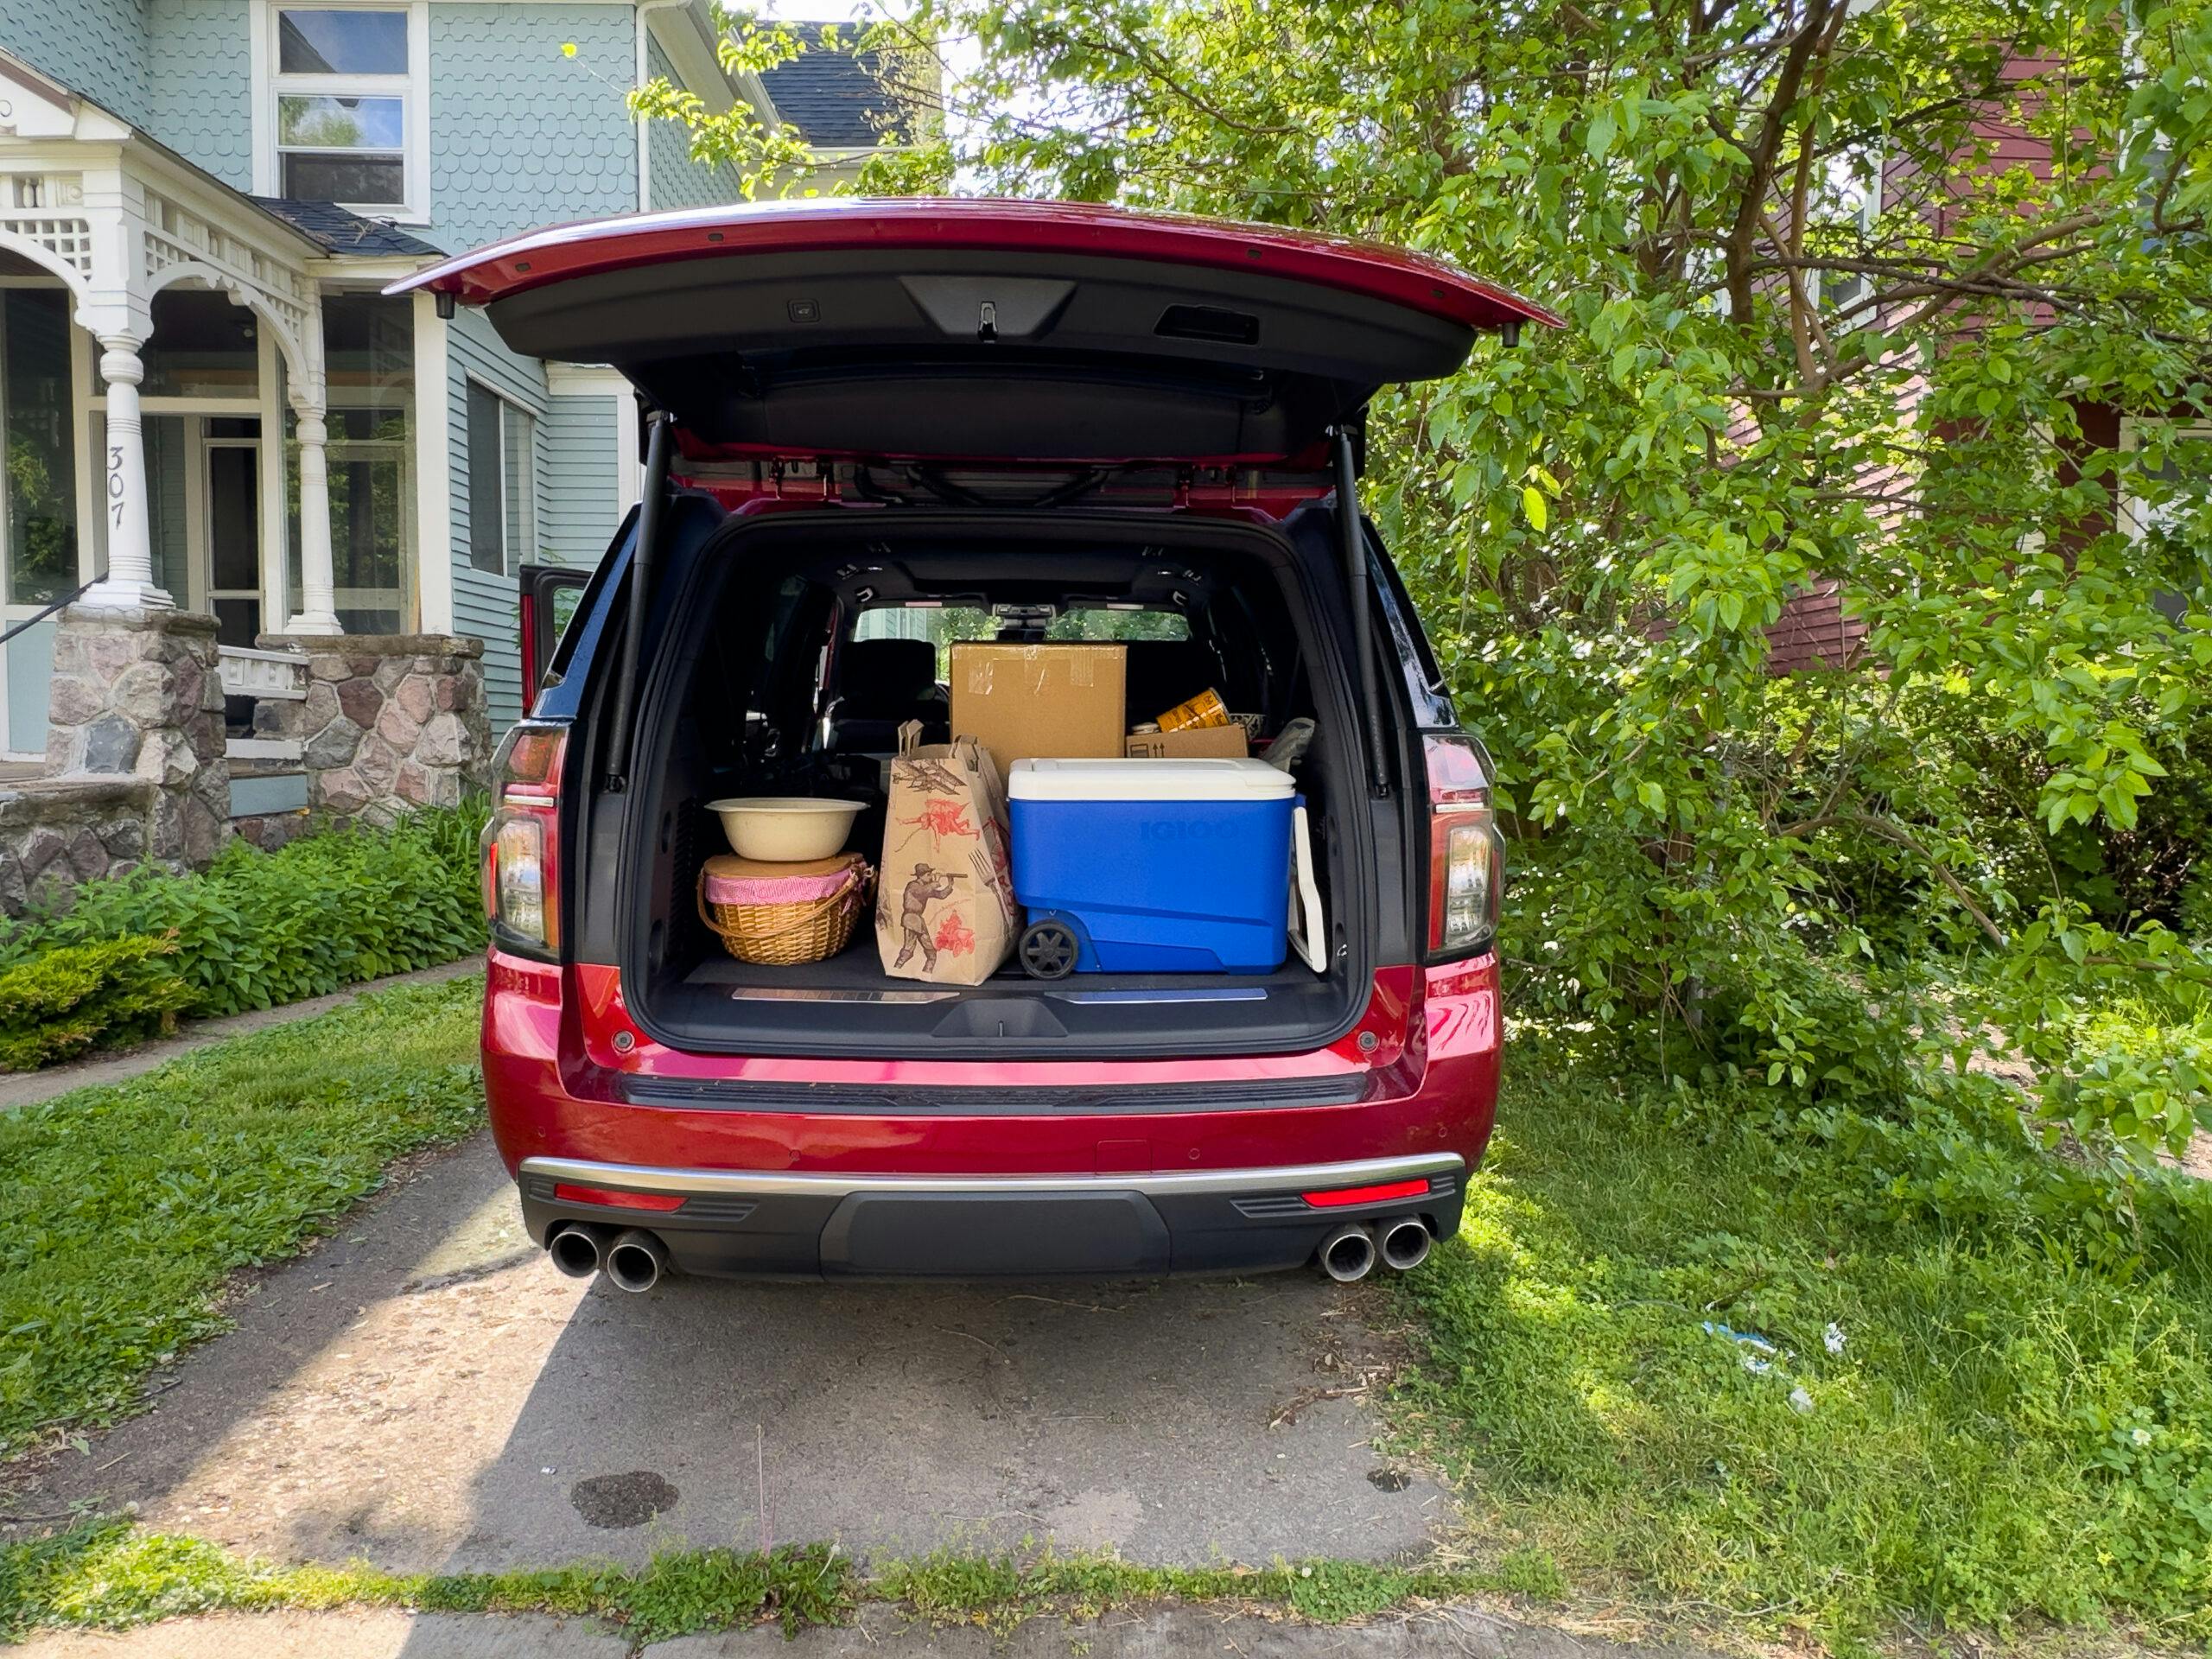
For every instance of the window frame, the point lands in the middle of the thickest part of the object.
(412, 89)
(511, 528)
(2137, 516)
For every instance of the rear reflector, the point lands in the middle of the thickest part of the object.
(564, 1193)
(1382, 1194)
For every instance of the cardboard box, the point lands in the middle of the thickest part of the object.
(1191, 743)
(1026, 702)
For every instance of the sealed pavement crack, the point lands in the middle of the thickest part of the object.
(616, 1501)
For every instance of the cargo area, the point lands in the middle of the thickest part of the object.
(797, 646)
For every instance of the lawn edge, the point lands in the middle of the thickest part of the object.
(138, 1577)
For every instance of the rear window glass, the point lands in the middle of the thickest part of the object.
(943, 625)
(1111, 625)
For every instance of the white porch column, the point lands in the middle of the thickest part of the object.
(318, 598)
(129, 584)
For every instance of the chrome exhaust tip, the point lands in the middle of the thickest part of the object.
(636, 1260)
(1406, 1241)
(573, 1248)
(1348, 1254)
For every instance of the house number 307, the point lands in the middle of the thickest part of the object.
(116, 488)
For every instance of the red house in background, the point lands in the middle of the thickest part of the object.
(1815, 631)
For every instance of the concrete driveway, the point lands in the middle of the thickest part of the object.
(424, 1392)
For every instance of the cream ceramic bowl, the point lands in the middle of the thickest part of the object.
(785, 829)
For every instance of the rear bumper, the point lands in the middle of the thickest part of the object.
(808, 1167)
(800, 1224)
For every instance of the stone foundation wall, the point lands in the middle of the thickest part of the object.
(136, 694)
(270, 830)
(390, 721)
(55, 832)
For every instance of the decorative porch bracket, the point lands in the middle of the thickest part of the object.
(116, 240)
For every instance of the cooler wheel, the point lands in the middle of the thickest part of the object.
(1047, 951)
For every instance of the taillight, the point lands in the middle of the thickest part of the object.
(521, 845)
(1466, 856)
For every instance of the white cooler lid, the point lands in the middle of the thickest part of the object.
(1216, 779)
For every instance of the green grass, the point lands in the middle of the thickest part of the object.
(108, 1575)
(124, 1209)
(2008, 1433)
(2016, 1428)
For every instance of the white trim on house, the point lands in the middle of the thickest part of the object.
(687, 37)
(684, 30)
(433, 472)
(413, 88)
(378, 269)
(598, 380)
(585, 380)
(278, 600)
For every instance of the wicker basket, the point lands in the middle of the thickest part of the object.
(785, 933)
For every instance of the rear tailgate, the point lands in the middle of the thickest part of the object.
(1039, 331)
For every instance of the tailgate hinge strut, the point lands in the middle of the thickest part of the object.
(652, 507)
(1353, 536)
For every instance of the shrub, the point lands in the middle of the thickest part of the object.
(63, 1000)
(258, 929)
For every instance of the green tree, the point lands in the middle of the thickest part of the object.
(1825, 324)
(774, 159)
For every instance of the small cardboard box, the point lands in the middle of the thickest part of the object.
(1024, 702)
(1191, 743)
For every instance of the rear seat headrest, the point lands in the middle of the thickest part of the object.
(885, 673)
(1161, 673)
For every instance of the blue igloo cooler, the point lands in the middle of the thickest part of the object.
(1152, 866)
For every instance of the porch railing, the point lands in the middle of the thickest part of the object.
(266, 677)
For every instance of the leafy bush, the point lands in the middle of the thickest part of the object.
(256, 929)
(1601, 526)
(63, 1000)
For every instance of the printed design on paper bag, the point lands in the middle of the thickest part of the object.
(930, 774)
(953, 936)
(994, 869)
(914, 900)
(942, 818)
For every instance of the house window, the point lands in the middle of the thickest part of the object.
(502, 481)
(2166, 487)
(38, 497)
(2184, 453)
(346, 105)
(1844, 292)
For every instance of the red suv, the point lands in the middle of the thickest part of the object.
(875, 427)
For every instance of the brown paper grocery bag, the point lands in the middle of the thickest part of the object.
(944, 909)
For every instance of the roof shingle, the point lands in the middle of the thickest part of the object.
(340, 231)
(836, 99)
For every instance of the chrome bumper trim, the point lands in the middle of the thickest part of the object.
(645, 1178)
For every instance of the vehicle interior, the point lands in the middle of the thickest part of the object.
(799, 645)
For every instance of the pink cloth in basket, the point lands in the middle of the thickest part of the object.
(779, 889)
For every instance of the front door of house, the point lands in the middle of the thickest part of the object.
(230, 563)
